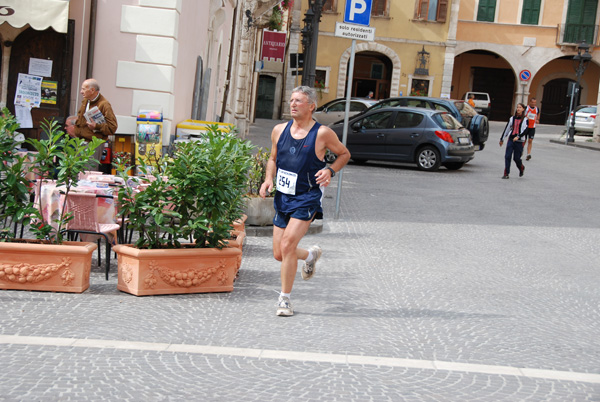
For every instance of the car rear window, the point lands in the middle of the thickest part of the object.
(465, 109)
(407, 119)
(357, 107)
(446, 121)
(482, 97)
(590, 109)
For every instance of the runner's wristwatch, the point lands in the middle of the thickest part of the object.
(332, 171)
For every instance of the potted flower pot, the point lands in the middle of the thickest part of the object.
(46, 267)
(184, 219)
(145, 272)
(51, 263)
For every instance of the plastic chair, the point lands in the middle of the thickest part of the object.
(84, 207)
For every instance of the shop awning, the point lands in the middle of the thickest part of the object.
(39, 14)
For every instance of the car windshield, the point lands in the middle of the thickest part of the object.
(465, 109)
(446, 121)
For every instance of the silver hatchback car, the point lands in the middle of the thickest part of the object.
(585, 119)
(333, 111)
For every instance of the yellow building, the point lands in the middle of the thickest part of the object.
(477, 45)
(407, 56)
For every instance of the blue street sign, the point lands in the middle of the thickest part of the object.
(358, 12)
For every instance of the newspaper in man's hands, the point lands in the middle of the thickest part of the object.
(94, 115)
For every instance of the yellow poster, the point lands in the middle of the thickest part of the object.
(49, 90)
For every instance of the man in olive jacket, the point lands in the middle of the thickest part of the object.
(90, 90)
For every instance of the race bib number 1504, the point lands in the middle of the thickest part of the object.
(286, 181)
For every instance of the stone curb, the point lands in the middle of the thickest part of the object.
(595, 146)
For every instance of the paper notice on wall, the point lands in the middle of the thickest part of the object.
(41, 67)
(23, 115)
(29, 90)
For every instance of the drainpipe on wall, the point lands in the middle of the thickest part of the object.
(197, 98)
(91, 39)
(229, 62)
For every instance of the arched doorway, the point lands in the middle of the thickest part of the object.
(372, 72)
(556, 101)
(265, 97)
(484, 71)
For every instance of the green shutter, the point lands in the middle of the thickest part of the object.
(531, 12)
(486, 10)
(581, 20)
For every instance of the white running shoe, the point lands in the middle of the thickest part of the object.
(284, 307)
(308, 270)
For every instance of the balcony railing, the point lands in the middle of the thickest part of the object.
(570, 34)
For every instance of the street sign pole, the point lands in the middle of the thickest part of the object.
(345, 132)
(357, 18)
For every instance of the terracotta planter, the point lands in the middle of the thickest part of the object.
(47, 267)
(240, 224)
(239, 244)
(176, 271)
(260, 211)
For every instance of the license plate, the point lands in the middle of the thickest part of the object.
(463, 140)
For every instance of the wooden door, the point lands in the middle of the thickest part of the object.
(49, 45)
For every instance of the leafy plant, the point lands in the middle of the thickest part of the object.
(15, 204)
(59, 156)
(258, 171)
(196, 194)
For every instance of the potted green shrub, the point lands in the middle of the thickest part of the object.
(259, 211)
(49, 262)
(184, 218)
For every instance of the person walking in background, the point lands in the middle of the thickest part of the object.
(532, 114)
(471, 100)
(90, 90)
(370, 95)
(297, 162)
(514, 133)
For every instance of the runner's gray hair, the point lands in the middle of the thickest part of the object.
(311, 93)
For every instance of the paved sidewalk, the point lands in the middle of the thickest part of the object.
(446, 286)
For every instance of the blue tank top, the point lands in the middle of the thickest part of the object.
(299, 157)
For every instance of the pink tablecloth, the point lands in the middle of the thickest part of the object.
(52, 203)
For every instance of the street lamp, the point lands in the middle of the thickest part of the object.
(580, 63)
(310, 38)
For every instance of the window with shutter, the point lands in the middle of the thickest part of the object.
(379, 8)
(432, 10)
(581, 20)
(330, 5)
(531, 12)
(442, 10)
(486, 10)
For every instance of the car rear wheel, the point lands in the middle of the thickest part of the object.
(428, 159)
(454, 165)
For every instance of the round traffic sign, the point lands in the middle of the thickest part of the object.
(525, 75)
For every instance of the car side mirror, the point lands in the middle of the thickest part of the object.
(356, 126)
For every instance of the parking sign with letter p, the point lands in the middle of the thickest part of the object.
(358, 12)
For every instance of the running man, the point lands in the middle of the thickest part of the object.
(532, 114)
(297, 163)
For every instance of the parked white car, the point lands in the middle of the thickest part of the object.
(585, 119)
(482, 102)
(333, 111)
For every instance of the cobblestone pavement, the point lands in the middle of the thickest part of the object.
(447, 286)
